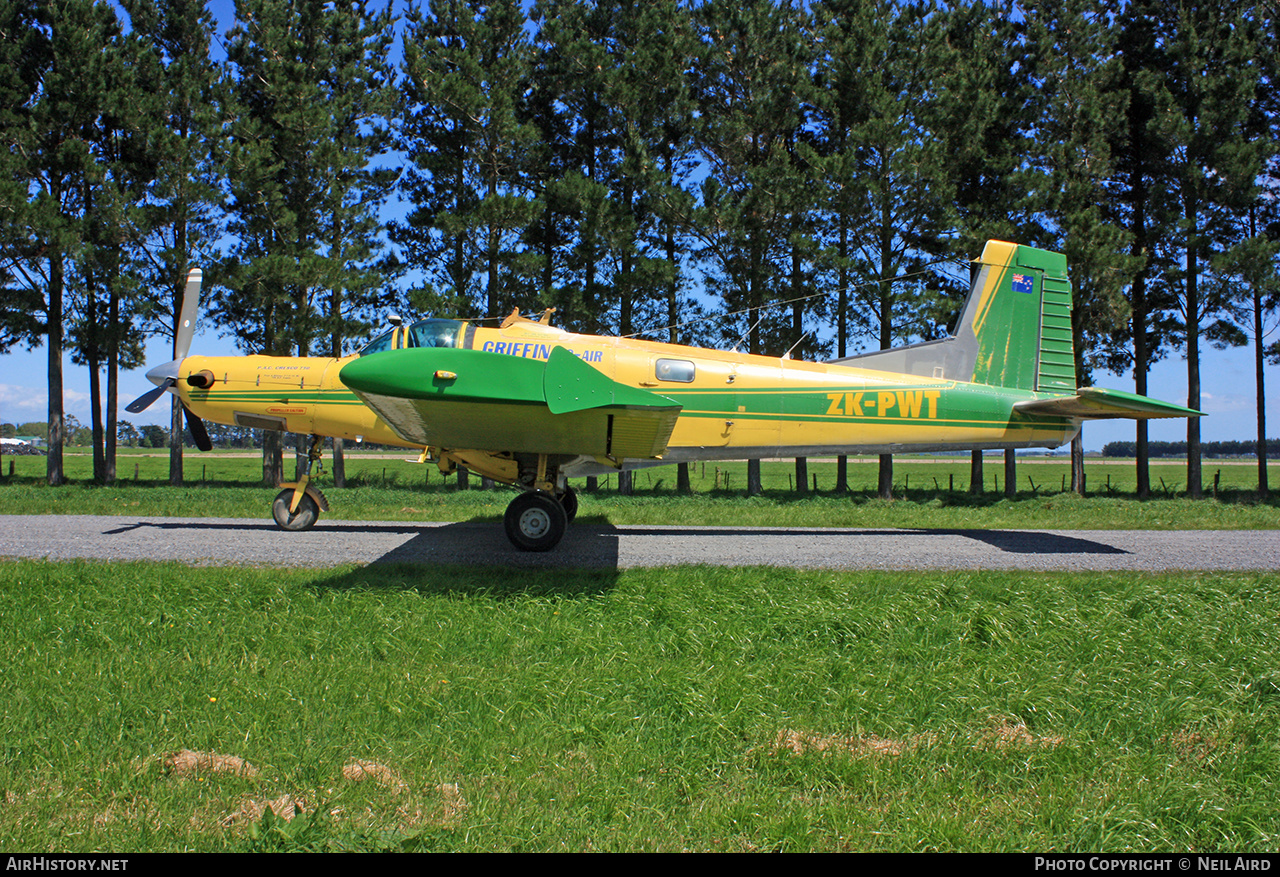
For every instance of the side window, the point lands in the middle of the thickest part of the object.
(377, 345)
(676, 370)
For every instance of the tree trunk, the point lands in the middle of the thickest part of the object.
(95, 415)
(272, 457)
(339, 464)
(682, 479)
(885, 487)
(176, 422)
(53, 461)
(1077, 464)
(1138, 324)
(113, 390)
(1260, 394)
(1191, 215)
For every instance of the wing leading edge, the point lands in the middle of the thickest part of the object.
(450, 398)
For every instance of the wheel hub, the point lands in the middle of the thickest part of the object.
(534, 523)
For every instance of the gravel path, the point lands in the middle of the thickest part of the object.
(240, 541)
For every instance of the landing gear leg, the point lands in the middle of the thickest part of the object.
(298, 506)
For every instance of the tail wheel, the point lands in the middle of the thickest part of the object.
(302, 519)
(535, 521)
(569, 499)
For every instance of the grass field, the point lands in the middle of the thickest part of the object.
(160, 707)
(157, 707)
(930, 492)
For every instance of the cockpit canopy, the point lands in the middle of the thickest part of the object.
(424, 333)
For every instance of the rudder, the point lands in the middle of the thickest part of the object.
(1018, 316)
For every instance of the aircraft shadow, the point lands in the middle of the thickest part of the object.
(591, 548)
(474, 558)
(1010, 541)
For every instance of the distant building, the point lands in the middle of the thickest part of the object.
(33, 440)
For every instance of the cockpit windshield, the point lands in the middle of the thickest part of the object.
(424, 333)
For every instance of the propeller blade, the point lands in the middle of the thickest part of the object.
(199, 434)
(143, 402)
(187, 319)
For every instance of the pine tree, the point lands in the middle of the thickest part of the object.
(888, 167)
(1215, 70)
(66, 50)
(614, 111)
(24, 50)
(178, 95)
(1144, 179)
(301, 200)
(753, 86)
(361, 101)
(466, 69)
(1083, 114)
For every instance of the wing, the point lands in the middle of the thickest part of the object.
(447, 398)
(1097, 403)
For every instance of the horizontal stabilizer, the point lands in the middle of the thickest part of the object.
(1097, 403)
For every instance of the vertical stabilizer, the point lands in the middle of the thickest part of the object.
(1014, 331)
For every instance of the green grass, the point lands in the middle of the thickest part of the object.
(929, 493)
(660, 709)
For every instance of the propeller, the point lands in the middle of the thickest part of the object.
(166, 376)
(199, 434)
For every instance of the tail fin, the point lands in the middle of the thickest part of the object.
(1014, 331)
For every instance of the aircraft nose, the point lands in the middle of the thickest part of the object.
(162, 373)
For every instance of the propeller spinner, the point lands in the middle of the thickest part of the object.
(166, 376)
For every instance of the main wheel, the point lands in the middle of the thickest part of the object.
(535, 521)
(302, 519)
(569, 499)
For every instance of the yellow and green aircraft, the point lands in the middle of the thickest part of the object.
(530, 405)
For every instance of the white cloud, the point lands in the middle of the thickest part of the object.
(1213, 403)
(22, 403)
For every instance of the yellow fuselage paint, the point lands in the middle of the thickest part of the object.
(733, 402)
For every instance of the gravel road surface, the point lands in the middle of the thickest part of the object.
(589, 545)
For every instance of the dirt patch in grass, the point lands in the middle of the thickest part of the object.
(187, 763)
(999, 734)
(359, 771)
(860, 746)
(1191, 745)
(452, 804)
(286, 807)
(1009, 733)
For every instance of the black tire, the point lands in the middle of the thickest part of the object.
(569, 499)
(303, 519)
(535, 521)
